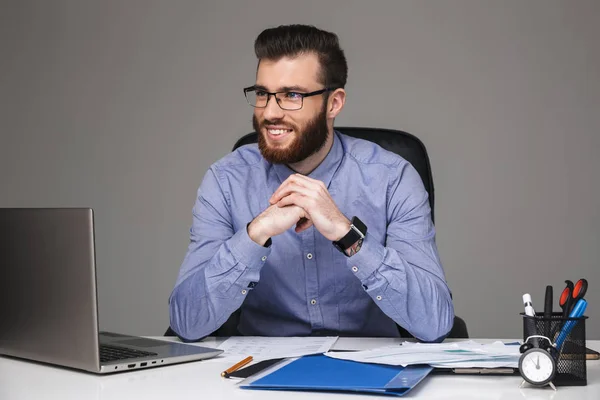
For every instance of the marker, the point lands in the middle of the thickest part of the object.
(528, 305)
(530, 322)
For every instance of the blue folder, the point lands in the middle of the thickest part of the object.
(322, 373)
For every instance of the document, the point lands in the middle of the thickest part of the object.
(467, 354)
(267, 348)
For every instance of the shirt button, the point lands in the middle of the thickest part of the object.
(313, 302)
(264, 258)
(378, 297)
(244, 291)
(355, 269)
(309, 256)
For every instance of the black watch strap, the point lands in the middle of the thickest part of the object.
(358, 230)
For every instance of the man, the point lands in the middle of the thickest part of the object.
(311, 232)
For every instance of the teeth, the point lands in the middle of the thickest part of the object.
(278, 131)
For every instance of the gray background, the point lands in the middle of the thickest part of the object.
(123, 105)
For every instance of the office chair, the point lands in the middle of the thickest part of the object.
(402, 143)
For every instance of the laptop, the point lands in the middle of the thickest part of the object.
(48, 298)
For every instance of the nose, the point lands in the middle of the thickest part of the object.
(272, 111)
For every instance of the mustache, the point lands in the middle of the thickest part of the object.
(265, 122)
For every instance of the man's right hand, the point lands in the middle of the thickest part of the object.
(276, 220)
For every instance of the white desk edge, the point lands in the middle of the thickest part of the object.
(21, 380)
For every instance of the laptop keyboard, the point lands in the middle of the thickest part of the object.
(114, 353)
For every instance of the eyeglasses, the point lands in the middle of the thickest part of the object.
(287, 100)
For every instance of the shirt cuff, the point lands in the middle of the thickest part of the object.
(368, 259)
(248, 252)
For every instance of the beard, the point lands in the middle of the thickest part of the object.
(307, 141)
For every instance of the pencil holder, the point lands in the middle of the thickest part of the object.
(567, 345)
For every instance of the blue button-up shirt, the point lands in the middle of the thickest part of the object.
(302, 285)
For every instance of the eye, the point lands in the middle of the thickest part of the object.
(293, 95)
(260, 93)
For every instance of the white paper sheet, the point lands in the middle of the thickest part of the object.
(451, 355)
(364, 343)
(266, 348)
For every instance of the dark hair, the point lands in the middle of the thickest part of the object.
(293, 40)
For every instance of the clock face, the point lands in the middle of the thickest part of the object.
(537, 366)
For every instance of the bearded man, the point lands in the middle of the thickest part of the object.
(309, 232)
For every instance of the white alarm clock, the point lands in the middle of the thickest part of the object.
(538, 367)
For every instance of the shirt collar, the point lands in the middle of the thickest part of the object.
(325, 171)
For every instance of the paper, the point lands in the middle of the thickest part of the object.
(468, 354)
(266, 348)
(365, 343)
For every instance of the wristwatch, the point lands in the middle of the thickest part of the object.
(358, 231)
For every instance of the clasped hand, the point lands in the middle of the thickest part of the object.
(304, 202)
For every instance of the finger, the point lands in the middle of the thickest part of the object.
(317, 187)
(299, 180)
(308, 204)
(284, 187)
(289, 189)
(309, 182)
(277, 194)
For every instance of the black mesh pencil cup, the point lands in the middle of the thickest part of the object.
(564, 338)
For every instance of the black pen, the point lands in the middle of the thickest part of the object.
(548, 312)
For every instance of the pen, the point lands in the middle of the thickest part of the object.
(577, 312)
(548, 302)
(548, 311)
(235, 367)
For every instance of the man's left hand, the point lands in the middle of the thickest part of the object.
(312, 195)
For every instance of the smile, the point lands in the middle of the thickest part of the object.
(277, 134)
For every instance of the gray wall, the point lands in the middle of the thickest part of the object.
(123, 105)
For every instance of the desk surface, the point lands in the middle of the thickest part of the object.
(201, 380)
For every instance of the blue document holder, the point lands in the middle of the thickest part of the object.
(322, 373)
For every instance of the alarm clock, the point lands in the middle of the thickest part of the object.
(538, 367)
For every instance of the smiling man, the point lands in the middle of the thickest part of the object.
(310, 232)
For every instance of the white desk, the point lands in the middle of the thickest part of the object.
(21, 380)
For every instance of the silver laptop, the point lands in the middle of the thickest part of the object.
(48, 302)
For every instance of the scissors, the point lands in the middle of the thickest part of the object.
(571, 295)
(566, 298)
(578, 292)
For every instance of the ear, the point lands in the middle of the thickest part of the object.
(336, 102)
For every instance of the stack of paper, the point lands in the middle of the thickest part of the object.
(467, 354)
(266, 348)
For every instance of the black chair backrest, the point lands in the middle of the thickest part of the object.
(402, 143)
